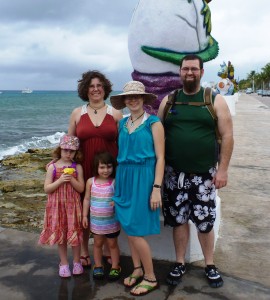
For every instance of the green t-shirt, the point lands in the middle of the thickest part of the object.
(190, 144)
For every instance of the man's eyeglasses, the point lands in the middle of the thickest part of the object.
(193, 70)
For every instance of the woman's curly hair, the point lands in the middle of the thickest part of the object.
(84, 82)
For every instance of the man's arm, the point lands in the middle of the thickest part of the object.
(225, 128)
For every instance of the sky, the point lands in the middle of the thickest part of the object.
(47, 45)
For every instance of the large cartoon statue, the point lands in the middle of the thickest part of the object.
(161, 33)
(227, 85)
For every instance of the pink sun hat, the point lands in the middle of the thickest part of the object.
(69, 142)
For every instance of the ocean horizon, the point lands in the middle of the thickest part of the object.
(35, 120)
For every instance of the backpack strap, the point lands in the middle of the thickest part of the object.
(191, 103)
(169, 104)
(207, 96)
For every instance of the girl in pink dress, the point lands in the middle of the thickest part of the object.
(63, 215)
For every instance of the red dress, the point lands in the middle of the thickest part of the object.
(96, 139)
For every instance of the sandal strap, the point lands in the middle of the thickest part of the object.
(145, 286)
(136, 268)
(134, 277)
(149, 280)
(115, 271)
(84, 257)
(98, 270)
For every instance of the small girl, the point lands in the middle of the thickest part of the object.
(98, 196)
(63, 215)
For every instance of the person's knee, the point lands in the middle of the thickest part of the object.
(112, 243)
(98, 242)
(205, 228)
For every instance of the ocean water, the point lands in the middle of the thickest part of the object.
(35, 120)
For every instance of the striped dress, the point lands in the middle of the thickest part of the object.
(102, 218)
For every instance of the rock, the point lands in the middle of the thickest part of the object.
(22, 197)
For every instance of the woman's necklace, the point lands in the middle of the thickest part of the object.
(133, 121)
(96, 109)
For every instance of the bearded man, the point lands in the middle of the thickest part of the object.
(193, 169)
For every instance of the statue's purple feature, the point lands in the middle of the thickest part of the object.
(160, 34)
(158, 84)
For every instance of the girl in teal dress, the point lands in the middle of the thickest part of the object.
(138, 181)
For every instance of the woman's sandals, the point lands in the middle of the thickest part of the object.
(134, 279)
(85, 261)
(147, 287)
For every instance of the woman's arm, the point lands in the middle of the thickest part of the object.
(117, 115)
(159, 144)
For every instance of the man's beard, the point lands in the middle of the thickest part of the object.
(191, 86)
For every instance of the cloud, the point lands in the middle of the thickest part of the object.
(49, 44)
(59, 40)
(241, 28)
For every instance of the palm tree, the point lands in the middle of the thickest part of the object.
(266, 74)
(250, 78)
(257, 80)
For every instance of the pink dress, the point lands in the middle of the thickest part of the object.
(63, 214)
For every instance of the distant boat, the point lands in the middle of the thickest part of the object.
(27, 91)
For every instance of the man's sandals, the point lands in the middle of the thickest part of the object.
(134, 278)
(148, 288)
(85, 261)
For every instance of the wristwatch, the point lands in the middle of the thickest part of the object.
(157, 186)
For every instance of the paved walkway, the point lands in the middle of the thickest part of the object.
(28, 271)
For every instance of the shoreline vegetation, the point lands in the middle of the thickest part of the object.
(22, 197)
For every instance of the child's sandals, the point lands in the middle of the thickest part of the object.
(98, 272)
(134, 278)
(77, 268)
(115, 273)
(64, 271)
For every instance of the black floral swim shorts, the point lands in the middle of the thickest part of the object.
(188, 196)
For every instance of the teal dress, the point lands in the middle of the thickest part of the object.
(135, 176)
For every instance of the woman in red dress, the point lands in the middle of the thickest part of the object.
(95, 124)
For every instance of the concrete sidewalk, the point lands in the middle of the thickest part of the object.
(28, 271)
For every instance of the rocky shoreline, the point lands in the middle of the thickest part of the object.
(22, 197)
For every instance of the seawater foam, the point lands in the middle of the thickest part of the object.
(43, 142)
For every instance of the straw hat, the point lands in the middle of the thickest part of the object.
(131, 88)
